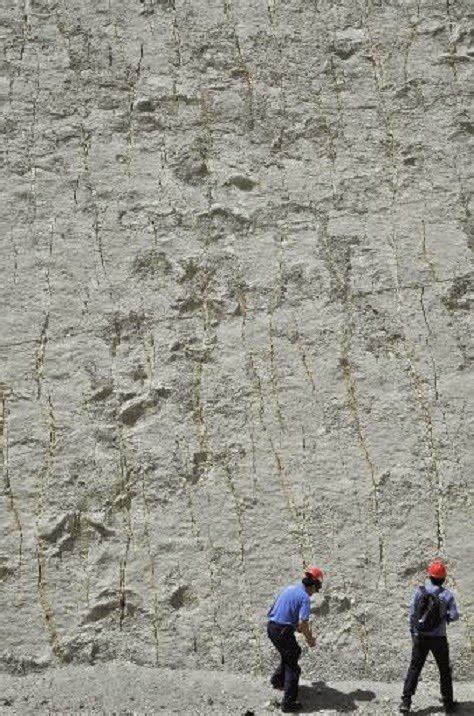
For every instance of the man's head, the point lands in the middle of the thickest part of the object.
(437, 572)
(312, 579)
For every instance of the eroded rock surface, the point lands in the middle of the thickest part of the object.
(235, 327)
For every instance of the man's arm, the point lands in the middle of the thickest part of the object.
(303, 625)
(411, 609)
(304, 628)
(452, 614)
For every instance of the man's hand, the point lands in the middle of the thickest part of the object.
(303, 627)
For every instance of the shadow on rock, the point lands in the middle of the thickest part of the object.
(319, 697)
(465, 708)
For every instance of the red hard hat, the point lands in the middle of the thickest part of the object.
(437, 569)
(314, 572)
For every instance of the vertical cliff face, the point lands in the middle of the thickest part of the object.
(235, 329)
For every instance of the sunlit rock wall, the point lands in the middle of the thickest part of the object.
(234, 329)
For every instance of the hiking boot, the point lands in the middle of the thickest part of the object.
(450, 707)
(405, 705)
(292, 707)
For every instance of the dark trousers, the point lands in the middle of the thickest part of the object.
(287, 674)
(422, 645)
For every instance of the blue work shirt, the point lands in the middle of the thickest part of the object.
(292, 605)
(449, 610)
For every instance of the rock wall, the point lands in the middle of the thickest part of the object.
(235, 329)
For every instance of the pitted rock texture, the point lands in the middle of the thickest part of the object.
(235, 328)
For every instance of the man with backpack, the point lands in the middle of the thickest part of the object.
(289, 613)
(431, 608)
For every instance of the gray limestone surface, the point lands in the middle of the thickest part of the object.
(124, 688)
(236, 269)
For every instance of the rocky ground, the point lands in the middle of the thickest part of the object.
(124, 688)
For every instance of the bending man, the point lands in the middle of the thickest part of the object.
(289, 613)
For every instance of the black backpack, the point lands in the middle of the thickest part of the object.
(428, 614)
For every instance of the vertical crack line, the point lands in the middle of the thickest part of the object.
(84, 540)
(451, 40)
(32, 166)
(198, 412)
(96, 218)
(386, 117)
(6, 470)
(281, 288)
(203, 439)
(242, 558)
(155, 621)
(434, 476)
(407, 47)
(176, 36)
(238, 512)
(46, 608)
(98, 237)
(428, 344)
(319, 405)
(294, 523)
(15, 260)
(40, 353)
(52, 427)
(248, 408)
(122, 590)
(150, 352)
(428, 261)
(44, 602)
(341, 278)
(452, 444)
(340, 568)
(215, 584)
(25, 30)
(298, 527)
(125, 484)
(354, 486)
(271, 11)
(273, 377)
(200, 540)
(351, 388)
(254, 456)
(440, 511)
(354, 407)
(131, 110)
(340, 112)
(127, 502)
(48, 266)
(248, 81)
(75, 189)
(360, 620)
(304, 359)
